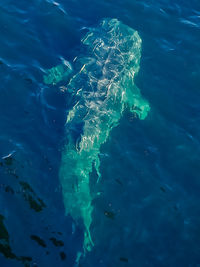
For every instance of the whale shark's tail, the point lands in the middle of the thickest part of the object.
(104, 87)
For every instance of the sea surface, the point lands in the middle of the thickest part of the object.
(147, 211)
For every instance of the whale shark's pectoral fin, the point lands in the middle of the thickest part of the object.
(138, 104)
(58, 73)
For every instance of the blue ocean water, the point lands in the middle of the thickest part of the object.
(148, 209)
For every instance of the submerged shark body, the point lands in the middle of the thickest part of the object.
(104, 88)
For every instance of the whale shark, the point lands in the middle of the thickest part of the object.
(102, 83)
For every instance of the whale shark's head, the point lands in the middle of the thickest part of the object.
(116, 42)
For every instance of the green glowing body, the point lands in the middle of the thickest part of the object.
(104, 88)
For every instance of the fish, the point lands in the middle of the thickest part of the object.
(103, 87)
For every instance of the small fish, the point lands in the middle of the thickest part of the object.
(163, 189)
(123, 259)
(39, 240)
(8, 160)
(57, 243)
(82, 68)
(62, 255)
(119, 182)
(109, 214)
